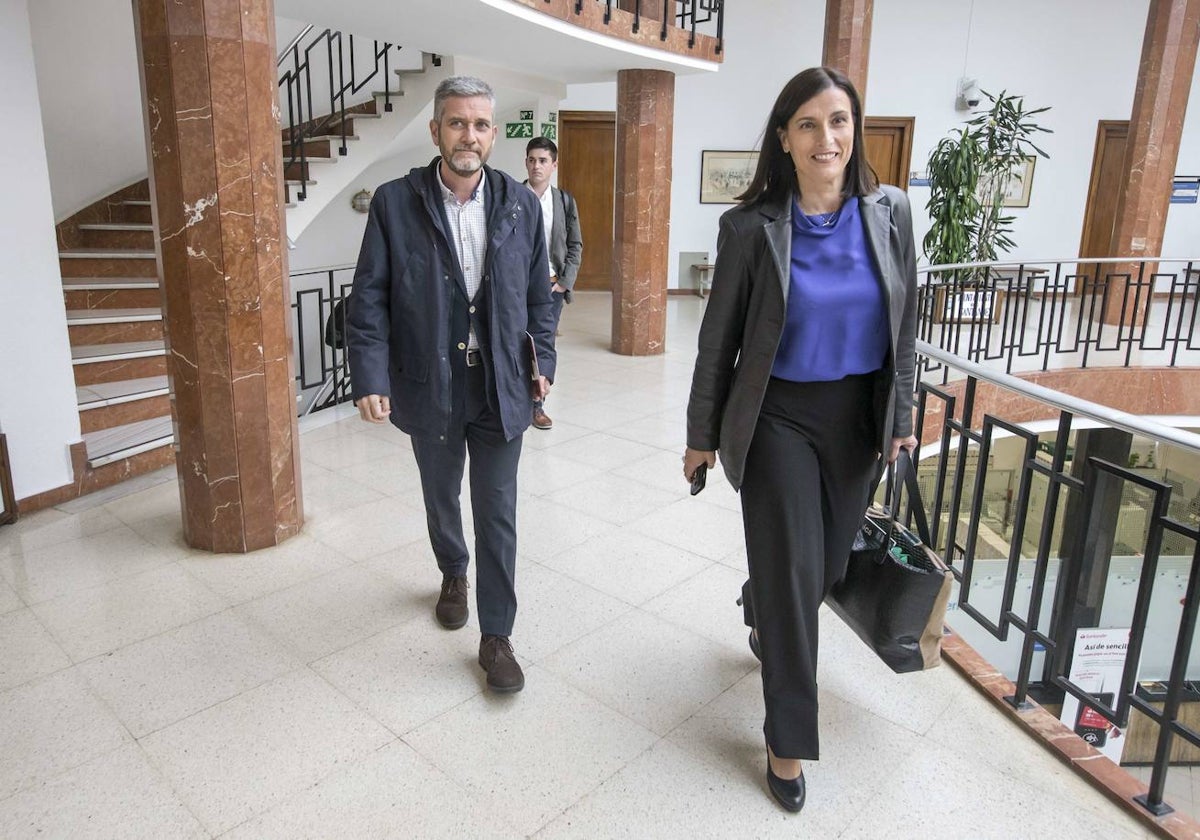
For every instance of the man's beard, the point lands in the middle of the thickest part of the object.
(473, 158)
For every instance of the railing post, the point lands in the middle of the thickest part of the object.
(1088, 536)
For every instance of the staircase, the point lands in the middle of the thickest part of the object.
(115, 324)
(113, 296)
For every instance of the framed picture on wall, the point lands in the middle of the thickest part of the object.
(1019, 184)
(724, 175)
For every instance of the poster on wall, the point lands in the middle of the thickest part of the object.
(1096, 667)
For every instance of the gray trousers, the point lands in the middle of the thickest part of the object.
(475, 429)
(810, 468)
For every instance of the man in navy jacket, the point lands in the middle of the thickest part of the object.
(451, 309)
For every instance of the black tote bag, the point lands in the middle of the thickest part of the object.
(896, 589)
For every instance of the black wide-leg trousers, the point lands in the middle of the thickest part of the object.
(809, 471)
(475, 428)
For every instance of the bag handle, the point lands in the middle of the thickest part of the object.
(908, 474)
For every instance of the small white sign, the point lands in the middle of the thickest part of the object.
(1096, 667)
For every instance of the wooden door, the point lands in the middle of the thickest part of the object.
(587, 156)
(887, 142)
(1104, 193)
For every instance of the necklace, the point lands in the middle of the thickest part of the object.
(824, 220)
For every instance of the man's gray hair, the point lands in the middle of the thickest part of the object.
(460, 87)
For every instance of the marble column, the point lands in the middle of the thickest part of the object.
(212, 119)
(642, 211)
(1155, 128)
(848, 40)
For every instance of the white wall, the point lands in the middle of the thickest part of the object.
(37, 387)
(91, 101)
(917, 56)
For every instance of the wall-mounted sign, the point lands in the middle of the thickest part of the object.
(525, 116)
(552, 117)
(550, 131)
(518, 130)
(1185, 189)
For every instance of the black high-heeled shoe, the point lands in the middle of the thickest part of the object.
(789, 793)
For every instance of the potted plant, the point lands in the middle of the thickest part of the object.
(969, 174)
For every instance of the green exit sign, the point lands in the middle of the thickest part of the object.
(518, 129)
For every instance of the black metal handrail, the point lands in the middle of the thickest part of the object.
(1073, 522)
(342, 74)
(1041, 314)
(318, 364)
(684, 14)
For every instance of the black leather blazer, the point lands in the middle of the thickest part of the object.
(746, 309)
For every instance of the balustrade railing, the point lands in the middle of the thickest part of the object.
(683, 14)
(1035, 315)
(322, 370)
(1051, 531)
(339, 79)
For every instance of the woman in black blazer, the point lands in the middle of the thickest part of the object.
(804, 382)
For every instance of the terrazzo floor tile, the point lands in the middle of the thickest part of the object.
(154, 683)
(554, 610)
(616, 499)
(694, 525)
(235, 760)
(651, 671)
(238, 578)
(706, 604)
(73, 565)
(9, 599)
(50, 726)
(115, 794)
(627, 565)
(319, 616)
(27, 651)
(529, 756)
(393, 794)
(407, 675)
(110, 616)
(1000, 808)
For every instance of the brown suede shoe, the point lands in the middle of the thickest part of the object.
(541, 420)
(504, 674)
(452, 610)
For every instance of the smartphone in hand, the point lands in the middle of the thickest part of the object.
(698, 478)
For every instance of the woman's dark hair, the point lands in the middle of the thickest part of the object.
(775, 177)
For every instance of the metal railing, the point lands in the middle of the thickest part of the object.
(338, 70)
(1058, 511)
(1063, 313)
(322, 370)
(683, 14)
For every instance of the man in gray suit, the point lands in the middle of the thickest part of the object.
(560, 226)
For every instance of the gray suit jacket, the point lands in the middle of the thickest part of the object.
(566, 241)
(746, 311)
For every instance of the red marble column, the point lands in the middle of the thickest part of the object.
(642, 211)
(848, 40)
(208, 81)
(1155, 128)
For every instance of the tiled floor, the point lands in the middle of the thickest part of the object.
(147, 690)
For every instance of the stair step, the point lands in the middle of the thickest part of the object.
(104, 254)
(108, 445)
(90, 284)
(87, 354)
(111, 316)
(114, 393)
(137, 202)
(118, 226)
